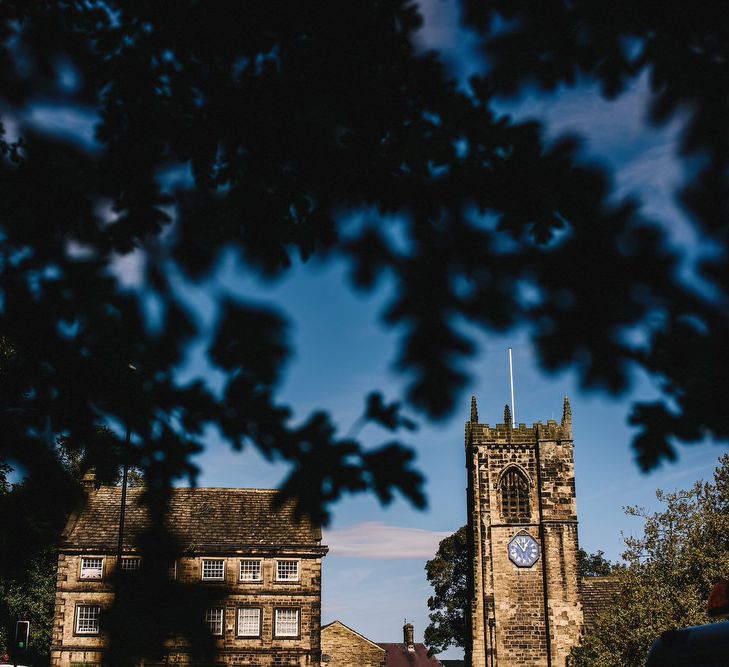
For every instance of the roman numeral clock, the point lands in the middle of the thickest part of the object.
(523, 550)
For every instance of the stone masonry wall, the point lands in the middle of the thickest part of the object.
(561, 546)
(475, 653)
(342, 647)
(565, 608)
(69, 648)
(518, 606)
(517, 593)
(514, 597)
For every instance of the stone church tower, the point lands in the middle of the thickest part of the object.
(522, 523)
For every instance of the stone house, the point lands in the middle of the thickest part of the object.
(264, 562)
(343, 647)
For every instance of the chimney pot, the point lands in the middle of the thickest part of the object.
(408, 633)
(88, 481)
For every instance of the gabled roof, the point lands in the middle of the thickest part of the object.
(338, 624)
(201, 519)
(397, 655)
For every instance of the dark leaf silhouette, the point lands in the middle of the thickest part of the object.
(253, 131)
(386, 415)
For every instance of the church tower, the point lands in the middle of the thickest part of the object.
(522, 522)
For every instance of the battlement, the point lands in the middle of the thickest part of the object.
(519, 434)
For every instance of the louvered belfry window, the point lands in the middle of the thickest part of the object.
(515, 495)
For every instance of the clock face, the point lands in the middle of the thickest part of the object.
(523, 550)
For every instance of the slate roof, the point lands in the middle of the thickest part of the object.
(397, 655)
(598, 595)
(201, 519)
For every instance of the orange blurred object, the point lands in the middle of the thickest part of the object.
(718, 604)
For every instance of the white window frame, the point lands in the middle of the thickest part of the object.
(238, 614)
(288, 560)
(203, 562)
(94, 620)
(91, 573)
(221, 621)
(130, 563)
(250, 560)
(287, 635)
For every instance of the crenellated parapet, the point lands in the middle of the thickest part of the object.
(520, 434)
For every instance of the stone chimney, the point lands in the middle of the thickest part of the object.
(88, 481)
(408, 634)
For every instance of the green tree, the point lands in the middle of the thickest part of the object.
(27, 590)
(28, 582)
(28, 547)
(669, 570)
(447, 573)
(30, 597)
(594, 565)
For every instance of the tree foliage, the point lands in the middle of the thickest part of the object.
(682, 551)
(28, 577)
(30, 597)
(682, 53)
(28, 548)
(594, 565)
(254, 131)
(447, 573)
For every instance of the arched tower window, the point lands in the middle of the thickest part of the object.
(515, 495)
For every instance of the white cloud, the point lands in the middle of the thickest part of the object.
(377, 541)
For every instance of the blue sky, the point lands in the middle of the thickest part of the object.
(374, 576)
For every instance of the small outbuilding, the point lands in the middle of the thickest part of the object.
(343, 647)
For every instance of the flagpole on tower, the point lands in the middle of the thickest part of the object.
(511, 383)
